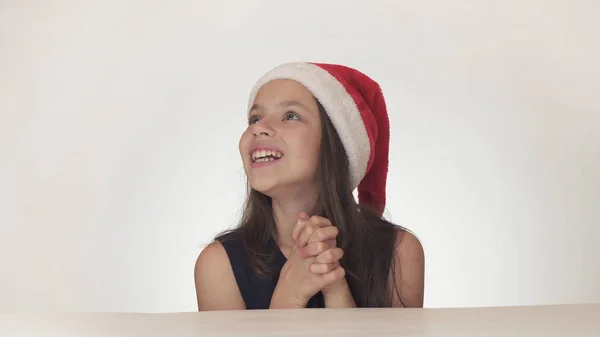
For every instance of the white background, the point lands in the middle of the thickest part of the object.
(120, 121)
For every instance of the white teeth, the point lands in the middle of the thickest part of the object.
(265, 155)
(263, 160)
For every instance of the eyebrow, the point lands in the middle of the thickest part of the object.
(283, 104)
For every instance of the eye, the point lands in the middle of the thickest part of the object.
(290, 115)
(253, 119)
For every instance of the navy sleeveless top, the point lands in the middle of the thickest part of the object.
(256, 290)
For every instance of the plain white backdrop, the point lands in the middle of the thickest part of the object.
(119, 125)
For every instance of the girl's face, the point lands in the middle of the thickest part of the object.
(280, 147)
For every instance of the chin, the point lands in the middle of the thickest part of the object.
(264, 186)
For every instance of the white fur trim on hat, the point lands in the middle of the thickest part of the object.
(339, 105)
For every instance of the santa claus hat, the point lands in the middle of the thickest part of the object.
(356, 107)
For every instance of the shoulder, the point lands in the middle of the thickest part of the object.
(212, 256)
(216, 287)
(408, 247)
(408, 270)
(215, 256)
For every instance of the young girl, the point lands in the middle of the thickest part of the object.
(315, 133)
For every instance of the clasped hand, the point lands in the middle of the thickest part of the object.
(314, 262)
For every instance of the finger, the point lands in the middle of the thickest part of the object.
(305, 233)
(319, 221)
(332, 276)
(300, 224)
(325, 234)
(330, 255)
(313, 249)
(323, 268)
(313, 234)
(313, 224)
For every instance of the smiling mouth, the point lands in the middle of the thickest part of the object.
(263, 156)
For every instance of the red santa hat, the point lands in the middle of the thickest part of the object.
(356, 107)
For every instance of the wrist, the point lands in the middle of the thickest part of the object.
(336, 288)
(282, 299)
(280, 302)
(338, 295)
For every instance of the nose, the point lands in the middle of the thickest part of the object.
(262, 128)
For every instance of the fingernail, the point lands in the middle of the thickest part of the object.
(303, 216)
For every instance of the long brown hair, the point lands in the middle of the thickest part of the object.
(367, 239)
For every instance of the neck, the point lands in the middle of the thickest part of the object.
(286, 211)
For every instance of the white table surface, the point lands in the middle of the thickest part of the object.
(546, 321)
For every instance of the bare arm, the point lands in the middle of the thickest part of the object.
(409, 276)
(216, 287)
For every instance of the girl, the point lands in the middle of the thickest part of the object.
(315, 133)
